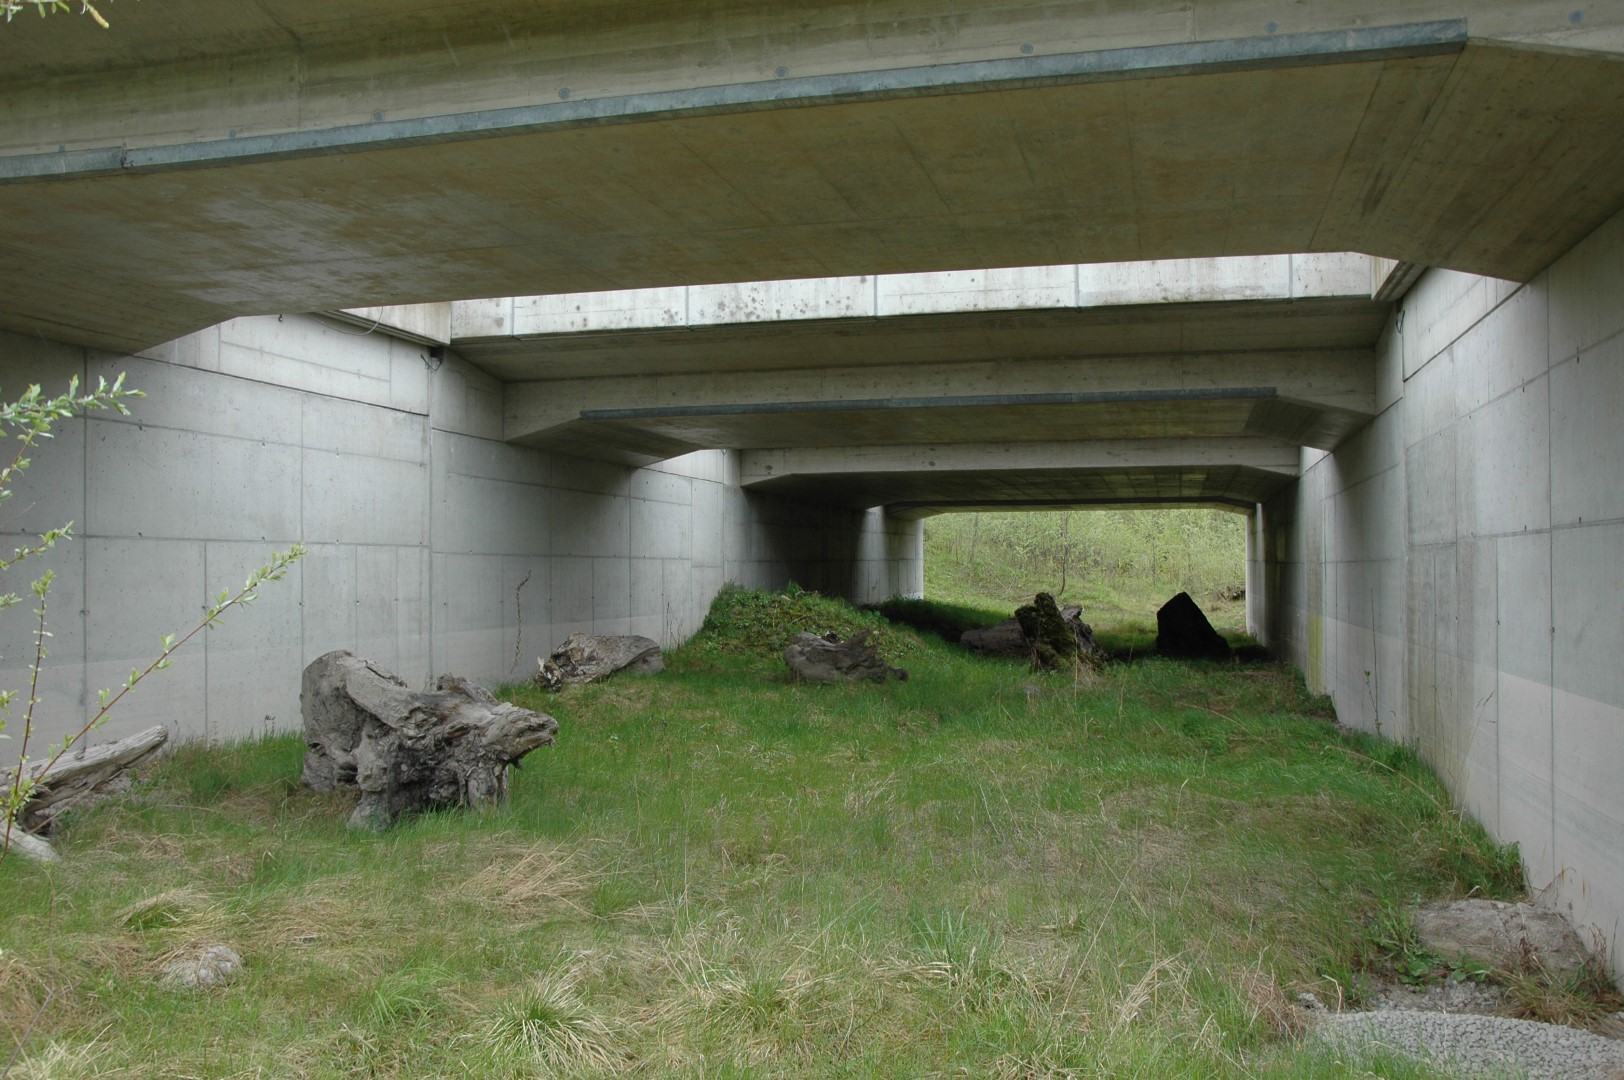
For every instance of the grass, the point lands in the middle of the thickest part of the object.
(981, 871)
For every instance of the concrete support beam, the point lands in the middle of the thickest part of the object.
(1311, 399)
(758, 467)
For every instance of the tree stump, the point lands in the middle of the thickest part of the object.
(1012, 638)
(827, 659)
(406, 751)
(585, 658)
(1182, 630)
(1052, 642)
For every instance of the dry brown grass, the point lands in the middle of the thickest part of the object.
(526, 881)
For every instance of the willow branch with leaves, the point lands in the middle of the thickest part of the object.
(12, 8)
(23, 782)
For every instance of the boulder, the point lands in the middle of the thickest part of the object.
(585, 658)
(1507, 937)
(827, 659)
(1182, 630)
(407, 750)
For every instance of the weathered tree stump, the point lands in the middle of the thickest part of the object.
(1010, 638)
(585, 658)
(404, 750)
(1182, 630)
(1053, 644)
(827, 659)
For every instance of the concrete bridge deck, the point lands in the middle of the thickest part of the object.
(284, 166)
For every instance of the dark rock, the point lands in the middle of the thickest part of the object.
(586, 658)
(1182, 630)
(406, 750)
(827, 659)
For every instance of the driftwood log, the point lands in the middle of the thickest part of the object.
(1182, 630)
(77, 776)
(73, 779)
(406, 750)
(585, 658)
(827, 659)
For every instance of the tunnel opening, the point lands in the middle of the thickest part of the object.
(1120, 565)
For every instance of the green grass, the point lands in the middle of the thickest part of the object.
(980, 871)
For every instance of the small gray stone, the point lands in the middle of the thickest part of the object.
(214, 965)
(1504, 936)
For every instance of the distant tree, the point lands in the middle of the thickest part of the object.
(47, 7)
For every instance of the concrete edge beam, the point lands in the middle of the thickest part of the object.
(1119, 284)
(1442, 37)
(1269, 455)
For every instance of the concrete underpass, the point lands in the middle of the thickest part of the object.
(529, 323)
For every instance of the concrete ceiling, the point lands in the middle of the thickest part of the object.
(1043, 386)
(1376, 139)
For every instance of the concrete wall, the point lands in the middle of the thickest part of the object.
(1454, 575)
(422, 527)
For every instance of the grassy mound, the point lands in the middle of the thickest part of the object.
(751, 622)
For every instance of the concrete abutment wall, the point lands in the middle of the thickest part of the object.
(1453, 575)
(434, 546)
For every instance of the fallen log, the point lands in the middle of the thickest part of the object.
(74, 777)
(585, 658)
(404, 750)
(827, 659)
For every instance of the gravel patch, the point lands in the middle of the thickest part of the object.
(1480, 1046)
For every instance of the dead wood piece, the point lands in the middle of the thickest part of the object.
(1011, 639)
(76, 778)
(827, 659)
(1000, 639)
(1053, 644)
(585, 658)
(406, 751)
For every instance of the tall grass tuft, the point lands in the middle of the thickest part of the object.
(547, 1024)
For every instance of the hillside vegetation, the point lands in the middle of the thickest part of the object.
(1120, 565)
